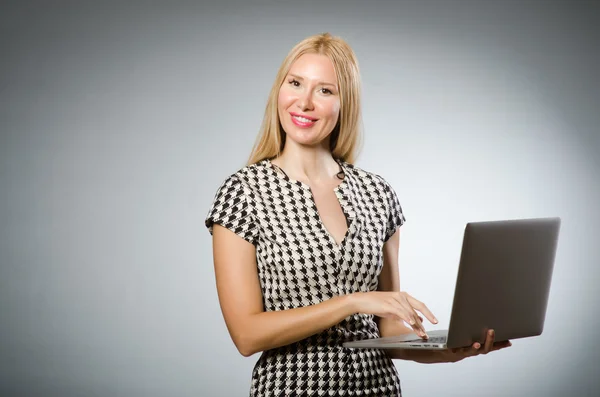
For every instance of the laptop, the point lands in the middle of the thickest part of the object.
(503, 283)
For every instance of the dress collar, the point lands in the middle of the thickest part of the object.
(342, 173)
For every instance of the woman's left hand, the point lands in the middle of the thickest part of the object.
(452, 355)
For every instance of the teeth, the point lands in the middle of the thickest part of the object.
(303, 119)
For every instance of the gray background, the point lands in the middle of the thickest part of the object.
(119, 121)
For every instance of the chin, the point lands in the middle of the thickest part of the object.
(307, 142)
(301, 136)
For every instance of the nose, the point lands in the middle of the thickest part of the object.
(305, 101)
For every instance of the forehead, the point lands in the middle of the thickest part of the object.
(314, 67)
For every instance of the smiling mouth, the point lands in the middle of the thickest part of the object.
(302, 122)
(303, 119)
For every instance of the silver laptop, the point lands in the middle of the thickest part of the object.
(503, 284)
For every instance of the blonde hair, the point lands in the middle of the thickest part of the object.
(346, 137)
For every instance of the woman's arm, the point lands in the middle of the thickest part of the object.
(389, 280)
(251, 328)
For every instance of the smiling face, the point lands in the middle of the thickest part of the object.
(309, 102)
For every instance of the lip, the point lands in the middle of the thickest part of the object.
(300, 123)
(303, 115)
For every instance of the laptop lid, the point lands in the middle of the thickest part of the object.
(503, 280)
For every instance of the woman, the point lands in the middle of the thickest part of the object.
(306, 244)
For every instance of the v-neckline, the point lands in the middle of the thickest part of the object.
(275, 168)
(338, 190)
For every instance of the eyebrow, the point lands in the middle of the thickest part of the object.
(320, 82)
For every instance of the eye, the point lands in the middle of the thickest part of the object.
(294, 82)
(326, 91)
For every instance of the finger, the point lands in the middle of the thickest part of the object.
(398, 313)
(422, 327)
(405, 305)
(414, 321)
(421, 320)
(489, 341)
(405, 315)
(417, 325)
(475, 349)
(420, 306)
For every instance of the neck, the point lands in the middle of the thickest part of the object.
(308, 165)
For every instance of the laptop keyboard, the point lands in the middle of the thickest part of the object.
(432, 339)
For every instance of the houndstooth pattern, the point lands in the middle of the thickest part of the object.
(300, 264)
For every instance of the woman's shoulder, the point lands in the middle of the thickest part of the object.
(248, 174)
(366, 176)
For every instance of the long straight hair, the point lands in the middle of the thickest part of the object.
(346, 137)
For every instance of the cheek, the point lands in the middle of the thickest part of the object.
(335, 110)
(284, 99)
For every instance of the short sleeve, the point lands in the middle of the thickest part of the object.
(395, 215)
(231, 209)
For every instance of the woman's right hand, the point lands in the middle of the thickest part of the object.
(397, 305)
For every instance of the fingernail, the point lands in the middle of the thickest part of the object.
(477, 345)
(491, 332)
(412, 322)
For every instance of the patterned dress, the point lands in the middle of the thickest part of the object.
(300, 264)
